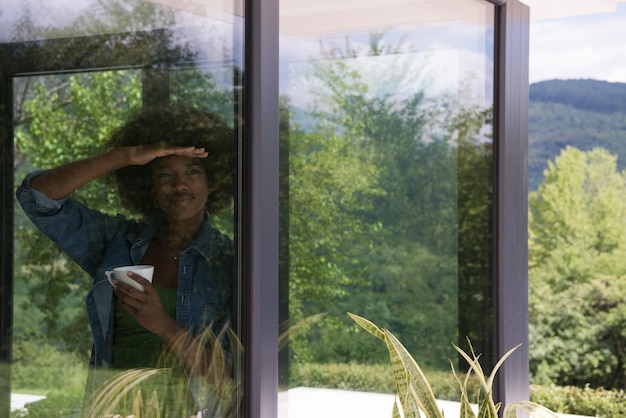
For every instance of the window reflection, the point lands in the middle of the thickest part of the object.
(100, 63)
(387, 189)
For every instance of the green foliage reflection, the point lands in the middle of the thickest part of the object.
(390, 193)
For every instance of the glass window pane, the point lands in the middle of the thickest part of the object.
(85, 78)
(387, 187)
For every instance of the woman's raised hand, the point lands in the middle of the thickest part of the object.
(143, 154)
(64, 180)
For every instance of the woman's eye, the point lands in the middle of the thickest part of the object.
(163, 175)
(194, 172)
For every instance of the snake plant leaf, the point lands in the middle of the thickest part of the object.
(475, 366)
(414, 407)
(395, 413)
(532, 409)
(419, 388)
(487, 408)
(138, 404)
(409, 405)
(487, 384)
(118, 388)
(296, 328)
(415, 396)
(368, 326)
(153, 409)
(510, 411)
(492, 376)
(465, 410)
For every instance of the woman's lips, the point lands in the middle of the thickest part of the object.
(181, 197)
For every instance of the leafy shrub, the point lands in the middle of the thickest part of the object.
(371, 378)
(349, 376)
(577, 334)
(378, 378)
(581, 401)
(57, 404)
(40, 367)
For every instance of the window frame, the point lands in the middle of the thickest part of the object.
(259, 209)
(23, 59)
(510, 203)
(511, 199)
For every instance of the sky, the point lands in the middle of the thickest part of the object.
(592, 46)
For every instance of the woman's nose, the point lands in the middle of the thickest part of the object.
(179, 182)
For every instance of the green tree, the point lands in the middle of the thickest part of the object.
(329, 178)
(576, 219)
(578, 336)
(576, 269)
(424, 150)
(64, 118)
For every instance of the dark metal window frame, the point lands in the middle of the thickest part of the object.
(510, 203)
(25, 59)
(259, 216)
(511, 199)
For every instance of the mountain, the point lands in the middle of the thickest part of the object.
(581, 113)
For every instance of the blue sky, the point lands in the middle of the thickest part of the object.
(592, 46)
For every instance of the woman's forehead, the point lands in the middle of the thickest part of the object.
(178, 161)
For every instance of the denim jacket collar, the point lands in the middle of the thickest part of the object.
(139, 241)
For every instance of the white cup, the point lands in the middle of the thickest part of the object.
(121, 274)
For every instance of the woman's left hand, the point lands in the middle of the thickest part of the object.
(146, 306)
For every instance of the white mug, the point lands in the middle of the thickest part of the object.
(120, 274)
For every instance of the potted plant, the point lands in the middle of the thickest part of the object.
(415, 398)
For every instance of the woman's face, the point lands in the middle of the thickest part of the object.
(180, 187)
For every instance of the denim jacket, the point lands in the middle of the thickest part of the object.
(98, 242)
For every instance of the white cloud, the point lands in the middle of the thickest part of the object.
(588, 47)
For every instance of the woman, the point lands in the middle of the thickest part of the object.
(173, 166)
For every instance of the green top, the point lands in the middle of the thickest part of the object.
(136, 347)
(133, 345)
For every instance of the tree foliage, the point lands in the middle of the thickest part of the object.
(64, 118)
(421, 150)
(576, 219)
(578, 334)
(576, 270)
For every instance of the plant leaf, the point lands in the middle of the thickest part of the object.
(498, 364)
(465, 410)
(475, 365)
(414, 405)
(415, 396)
(419, 387)
(300, 326)
(395, 413)
(487, 408)
(117, 388)
(368, 326)
(138, 404)
(153, 409)
(510, 411)
(409, 407)
(533, 409)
